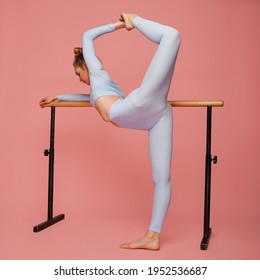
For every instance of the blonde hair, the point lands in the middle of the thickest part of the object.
(78, 57)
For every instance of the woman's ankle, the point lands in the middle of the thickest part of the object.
(152, 234)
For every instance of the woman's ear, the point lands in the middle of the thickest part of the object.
(84, 67)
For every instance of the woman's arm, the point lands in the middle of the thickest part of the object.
(93, 63)
(74, 97)
(65, 97)
(90, 58)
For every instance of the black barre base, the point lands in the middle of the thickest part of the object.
(50, 219)
(48, 223)
(205, 241)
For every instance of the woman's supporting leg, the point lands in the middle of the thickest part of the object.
(160, 147)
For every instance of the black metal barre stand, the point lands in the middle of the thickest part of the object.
(206, 229)
(50, 219)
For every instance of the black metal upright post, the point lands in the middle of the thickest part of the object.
(51, 220)
(207, 230)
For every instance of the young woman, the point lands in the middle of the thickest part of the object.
(145, 108)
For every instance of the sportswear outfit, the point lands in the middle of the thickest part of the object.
(146, 107)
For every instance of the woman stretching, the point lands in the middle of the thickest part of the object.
(145, 108)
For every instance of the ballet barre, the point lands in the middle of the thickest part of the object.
(174, 103)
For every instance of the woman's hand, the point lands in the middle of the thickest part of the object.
(46, 100)
(119, 25)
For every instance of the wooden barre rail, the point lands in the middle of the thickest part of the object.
(174, 103)
(51, 220)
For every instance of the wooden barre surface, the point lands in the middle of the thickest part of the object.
(174, 103)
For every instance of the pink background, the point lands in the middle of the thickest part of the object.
(102, 173)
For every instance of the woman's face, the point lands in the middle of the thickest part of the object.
(83, 74)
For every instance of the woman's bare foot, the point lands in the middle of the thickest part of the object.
(151, 241)
(128, 19)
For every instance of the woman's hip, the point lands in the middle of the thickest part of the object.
(125, 115)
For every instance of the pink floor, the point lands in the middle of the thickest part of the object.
(81, 237)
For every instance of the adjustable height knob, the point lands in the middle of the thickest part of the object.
(215, 159)
(46, 153)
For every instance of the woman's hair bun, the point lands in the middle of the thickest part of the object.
(77, 51)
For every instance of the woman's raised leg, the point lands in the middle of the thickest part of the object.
(153, 92)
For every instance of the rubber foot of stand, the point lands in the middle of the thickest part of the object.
(205, 241)
(48, 223)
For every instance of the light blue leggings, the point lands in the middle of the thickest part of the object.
(146, 108)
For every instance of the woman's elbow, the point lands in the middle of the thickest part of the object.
(87, 36)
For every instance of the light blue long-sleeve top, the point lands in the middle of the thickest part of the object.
(101, 83)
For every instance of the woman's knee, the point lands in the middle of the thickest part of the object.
(174, 36)
(162, 180)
